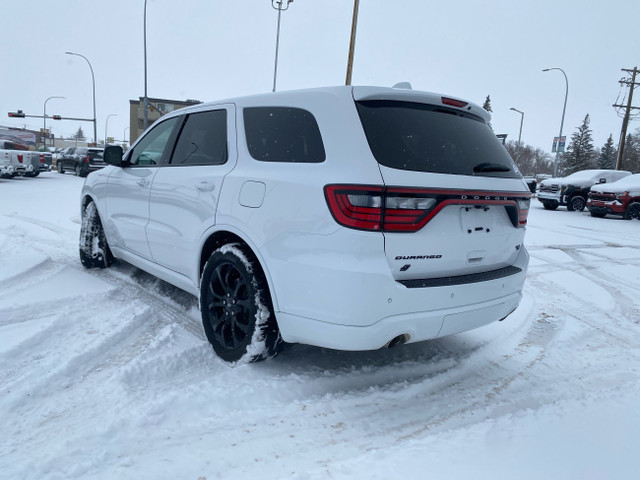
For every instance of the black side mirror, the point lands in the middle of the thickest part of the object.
(113, 155)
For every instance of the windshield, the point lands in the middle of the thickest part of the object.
(584, 176)
(428, 138)
(631, 181)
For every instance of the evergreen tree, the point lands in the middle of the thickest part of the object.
(608, 155)
(580, 154)
(79, 134)
(631, 154)
(487, 104)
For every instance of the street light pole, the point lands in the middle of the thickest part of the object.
(352, 43)
(93, 80)
(566, 94)
(521, 121)
(520, 134)
(277, 4)
(44, 114)
(106, 124)
(146, 99)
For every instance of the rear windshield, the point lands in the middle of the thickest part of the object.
(427, 138)
(95, 153)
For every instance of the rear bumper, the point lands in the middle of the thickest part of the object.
(414, 326)
(6, 170)
(357, 305)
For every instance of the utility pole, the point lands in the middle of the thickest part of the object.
(627, 113)
(352, 43)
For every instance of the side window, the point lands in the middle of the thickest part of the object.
(282, 134)
(151, 148)
(203, 140)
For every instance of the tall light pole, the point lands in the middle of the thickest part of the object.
(352, 43)
(106, 124)
(146, 99)
(93, 80)
(44, 115)
(521, 121)
(566, 94)
(278, 5)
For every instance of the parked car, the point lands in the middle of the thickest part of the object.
(573, 189)
(617, 198)
(81, 160)
(350, 218)
(531, 183)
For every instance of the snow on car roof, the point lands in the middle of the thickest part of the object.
(631, 182)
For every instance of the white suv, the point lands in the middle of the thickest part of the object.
(345, 217)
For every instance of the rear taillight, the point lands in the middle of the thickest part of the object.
(20, 158)
(41, 158)
(453, 102)
(86, 160)
(391, 209)
(523, 211)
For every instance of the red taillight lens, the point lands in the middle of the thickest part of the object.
(523, 211)
(375, 208)
(86, 160)
(41, 158)
(453, 102)
(379, 208)
(20, 158)
(356, 206)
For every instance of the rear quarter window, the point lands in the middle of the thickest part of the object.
(428, 138)
(283, 134)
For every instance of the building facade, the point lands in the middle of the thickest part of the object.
(157, 108)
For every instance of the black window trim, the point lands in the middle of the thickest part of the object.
(179, 132)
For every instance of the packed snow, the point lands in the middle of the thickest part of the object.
(107, 373)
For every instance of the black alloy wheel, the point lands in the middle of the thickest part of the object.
(234, 303)
(633, 211)
(576, 204)
(550, 205)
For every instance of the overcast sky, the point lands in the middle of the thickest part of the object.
(210, 49)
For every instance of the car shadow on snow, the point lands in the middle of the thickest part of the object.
(438, 354)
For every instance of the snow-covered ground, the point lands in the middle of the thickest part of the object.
(108, 375)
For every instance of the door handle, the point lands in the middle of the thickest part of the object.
(142, 182)
(205, 186)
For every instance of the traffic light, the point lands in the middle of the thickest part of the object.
(56, 117)
(18, 114)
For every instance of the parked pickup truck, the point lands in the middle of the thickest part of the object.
(617, 198)
(12, 162)
(573, 190)
(35, 163)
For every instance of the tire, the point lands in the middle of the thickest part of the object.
(77, 171)
(576, 204)
(60, 167)
(632, 211)
(35, 174)
(597, 214)
(236, 309)
(94, 249)
(550, 205)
